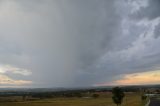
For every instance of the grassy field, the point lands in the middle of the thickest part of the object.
(132, 99)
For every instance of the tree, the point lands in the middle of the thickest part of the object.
(143, 97)
(95, 95)
(118, 95)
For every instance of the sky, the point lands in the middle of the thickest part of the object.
(79, 43)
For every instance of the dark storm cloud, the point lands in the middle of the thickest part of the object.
(78, 43)
(134, 50)
(151, 11)
(157, 31)
(58, 38)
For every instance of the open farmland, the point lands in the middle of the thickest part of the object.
(131, 99)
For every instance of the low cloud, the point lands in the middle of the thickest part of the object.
(4, 69)
(151, 77)
(5, 80)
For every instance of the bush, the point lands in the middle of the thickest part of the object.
(143, 97)
(95, 95)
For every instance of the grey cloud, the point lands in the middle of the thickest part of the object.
(157, 31)
(151, 11)
(75, 43)
(57, 37)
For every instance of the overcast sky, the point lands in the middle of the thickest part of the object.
(79, 43)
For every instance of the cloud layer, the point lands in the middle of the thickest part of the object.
(6, 81)
(151, 77)
(78, 43)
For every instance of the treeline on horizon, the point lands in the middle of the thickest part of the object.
(90, 92)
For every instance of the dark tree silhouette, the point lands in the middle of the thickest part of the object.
(95, 95)
(118, 95)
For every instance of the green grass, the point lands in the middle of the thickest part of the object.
(132, 99)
